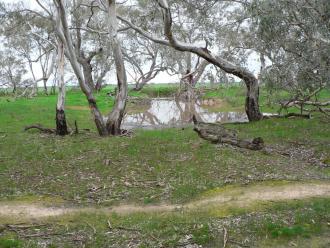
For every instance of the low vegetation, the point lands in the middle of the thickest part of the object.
(173, 166)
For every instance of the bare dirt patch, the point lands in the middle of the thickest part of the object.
(235, 197)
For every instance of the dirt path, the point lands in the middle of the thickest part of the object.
(231, 197)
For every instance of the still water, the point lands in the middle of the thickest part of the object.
(165, 113)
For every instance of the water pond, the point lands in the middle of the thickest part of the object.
(166, 113)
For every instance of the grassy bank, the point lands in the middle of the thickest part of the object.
(151, 167)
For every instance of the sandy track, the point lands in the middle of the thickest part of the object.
(236, 197)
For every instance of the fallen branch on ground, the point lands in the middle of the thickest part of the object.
(225, 237)
(317, 104)
(217, 133)
(289, 115)
(40, 128)
(53, 131)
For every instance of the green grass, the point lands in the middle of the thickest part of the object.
(156, 90)
(170, 165)
(281, 223)
(10, 243)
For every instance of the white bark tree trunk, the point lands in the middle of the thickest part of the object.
(116, 116)
(63, 33)
(61, 126)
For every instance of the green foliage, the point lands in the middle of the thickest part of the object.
(307, 219)
(10, 243)
(291, 231)
(157, 90)
(202, 235)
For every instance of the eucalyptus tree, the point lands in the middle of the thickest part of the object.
(61, 124)
(30, 38)
(110, 126)
(12, 70)
(146, 59)
(214, 10)
(295, 37)
(190, 68)
(91, 48)
(102, 65)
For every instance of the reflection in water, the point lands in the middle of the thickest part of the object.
(164, 113)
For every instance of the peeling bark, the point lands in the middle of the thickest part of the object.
(116, 116)
(61, 126)
(62, 30)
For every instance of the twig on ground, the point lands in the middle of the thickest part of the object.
(40, 128)
(109, 225)
(94, 230)
(38, 235)
(225, 237)
(237, 243)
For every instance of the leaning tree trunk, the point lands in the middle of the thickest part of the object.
(88, 73)
(14, 88)
(62, 30)
(139, 85)
(45, 86)
(251, 82)
(116, 116)
(143, 82)
(61, 126)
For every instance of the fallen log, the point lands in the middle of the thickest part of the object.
(217, 133)
(317, 104)
(40, 128)
(289, 115)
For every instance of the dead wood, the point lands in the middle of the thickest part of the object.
(317, 104)
(225, 237)
(53, 131)
(237, 243)
(24, 226)
(217, 133)
(40, 235)
(289, 115)
(40, 128)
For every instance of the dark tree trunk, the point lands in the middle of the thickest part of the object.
(88, 70)
(61, 126)
(98, 86)
(45, 87)
(114, 127)
(98, 118)
(252, 99)
(139, 86)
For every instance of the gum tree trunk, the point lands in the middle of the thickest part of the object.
(62, 30)
(45, 87)
(251, 82)
(252, 99)
(61, 126)
(116, 116)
